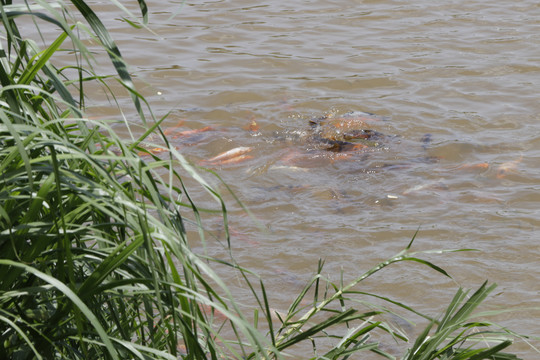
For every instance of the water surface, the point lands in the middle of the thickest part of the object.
(465, 72)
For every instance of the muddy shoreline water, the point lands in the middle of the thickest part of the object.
(465, 72)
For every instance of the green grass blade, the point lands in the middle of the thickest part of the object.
(73, 297)
(112, 49)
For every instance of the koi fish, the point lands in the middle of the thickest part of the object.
(237, 235)
(154, 151)
(181, 348)
(235, 160)
(172, 129)
(341, 156)
(286, 167)
(481, 197)
(473, 167)
(291, 156)
(210, 311)
(252, 127)
(187, 133)
(508, 167)
(350, 147)
(231, 156)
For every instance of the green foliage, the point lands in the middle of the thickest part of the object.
(95, 261)
(457, 332)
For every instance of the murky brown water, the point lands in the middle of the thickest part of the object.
(466, 72)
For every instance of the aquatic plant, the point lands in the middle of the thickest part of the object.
(95, 260)
(458, 334)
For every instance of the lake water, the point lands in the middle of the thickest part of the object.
(465, 72)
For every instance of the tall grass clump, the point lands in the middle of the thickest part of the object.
(95, 261)
(94, 254)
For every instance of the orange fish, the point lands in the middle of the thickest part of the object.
(291, 156)
(181, 348)
(210, 311)
(508, 167)
(154, 151)
(242, 236)
(341, 156)
(350, 148)
(231, 156)
(234, 160)
(476, 166)
(172, 129)
(252, 126)
(191, 132)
